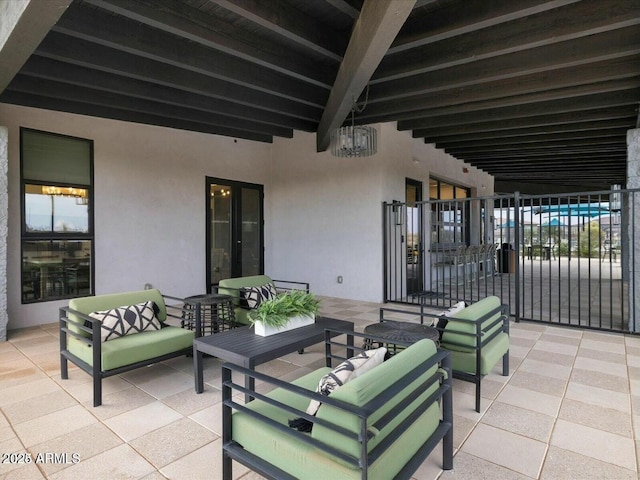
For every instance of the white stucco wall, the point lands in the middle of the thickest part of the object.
(329, 210)
(323, 215)
(149, 202)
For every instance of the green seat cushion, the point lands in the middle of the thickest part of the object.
(232, 286)
(460, 335)
(134, 348)
(304, 461)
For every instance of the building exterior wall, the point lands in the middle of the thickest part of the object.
(323, 215)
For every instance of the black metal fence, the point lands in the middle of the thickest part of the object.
(566, 259)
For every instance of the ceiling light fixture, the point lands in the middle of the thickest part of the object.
(355, 141)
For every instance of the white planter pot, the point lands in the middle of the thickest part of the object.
(294, 322)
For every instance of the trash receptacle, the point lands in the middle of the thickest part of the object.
(506, 259)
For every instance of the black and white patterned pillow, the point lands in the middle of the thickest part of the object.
(127, 320)
(347, 370)
(441, 323)
(254, 296)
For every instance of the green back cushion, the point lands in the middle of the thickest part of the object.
(365, 388)
(232, 286)
(454, 332)
(97, 303)
(87, 305)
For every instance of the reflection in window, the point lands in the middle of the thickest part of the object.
(56, 209)
(449, 215)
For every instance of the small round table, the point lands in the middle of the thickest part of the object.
(216, 313)
(389, 331)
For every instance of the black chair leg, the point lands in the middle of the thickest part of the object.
(478, 395)
(97, 391)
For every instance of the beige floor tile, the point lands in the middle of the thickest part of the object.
(53, 425)
(586, 376)
(551, 357)
(121, 462)
(462, 428)
(205, 463)
(10, 354)
(555, 347)
(167, 384)
(519, 420)
(545, 368)
(468, 467)
(83, 443)
(563, 332)
(604, 355)
(142, 420)
(602, 418)
(171, 442)
(610, 338)
(41, 344)
(24, 391)
(538, 383)
(210, 418)
(119, 402)
(633, 361)
(18, 372)
(189, 402)
(564, 464)
(505, 449)
(598, 396)
(594, 365)
(22, 334)
(38, 406)
(83, 391)
(530, 400)
(560, 337)
(12, 446)
(604, 446)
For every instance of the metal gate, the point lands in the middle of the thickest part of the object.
(563, 259)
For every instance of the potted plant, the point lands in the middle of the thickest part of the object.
(284, 312)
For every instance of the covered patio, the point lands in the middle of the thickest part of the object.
(568, 410)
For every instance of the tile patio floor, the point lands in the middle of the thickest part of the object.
(569, 410)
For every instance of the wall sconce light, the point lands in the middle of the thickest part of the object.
(398, 218)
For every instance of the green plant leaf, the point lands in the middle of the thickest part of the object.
(277, 311)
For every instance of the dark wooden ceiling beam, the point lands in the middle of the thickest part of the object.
(44, 68)
(540, 145)
(556, 155)
(348, 8)
(462, 18)
(83, 53)
(116, 32)
(540, 132)
(550, 121)
(187, 22)
(291, 24)
(89, 96)
(573, 53)
(48, 103)
(577, 21)
(375, 29)
(543, 85)
(535, 140)
(574, 104)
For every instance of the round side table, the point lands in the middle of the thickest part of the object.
(389, 331)
(216, 313)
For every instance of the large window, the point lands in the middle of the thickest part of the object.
(57, 216)
(450, 214)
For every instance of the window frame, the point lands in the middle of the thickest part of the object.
(53, 236)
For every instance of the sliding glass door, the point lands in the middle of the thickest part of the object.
(235, 233)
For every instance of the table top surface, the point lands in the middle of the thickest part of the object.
(402, 331)
(243, 342)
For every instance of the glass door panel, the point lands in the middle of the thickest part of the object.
(220, 238)
(235, 234)
(251, 244)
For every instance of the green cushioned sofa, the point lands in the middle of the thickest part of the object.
(80, 340)
(232, 286)
(381, 425)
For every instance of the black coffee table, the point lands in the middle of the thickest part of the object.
(243, 347)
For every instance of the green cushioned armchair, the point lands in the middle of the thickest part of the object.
(232, 287)
(477, 337)
(80, 338)
(379, 426)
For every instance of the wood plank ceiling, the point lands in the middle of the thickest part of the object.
(529, 90)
